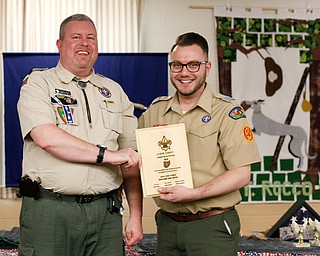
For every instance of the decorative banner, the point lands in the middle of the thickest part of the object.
(270, 63)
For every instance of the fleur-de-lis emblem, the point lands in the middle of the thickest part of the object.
(164, 143)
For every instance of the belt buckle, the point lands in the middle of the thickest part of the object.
(84, 199)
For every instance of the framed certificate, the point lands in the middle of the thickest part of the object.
(165, 158)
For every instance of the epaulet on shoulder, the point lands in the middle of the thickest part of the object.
(38, 69)
(223, 97)
(25, 79)
(100, 75)
(161, 98)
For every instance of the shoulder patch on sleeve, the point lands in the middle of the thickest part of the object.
(247, 133)
(237, 113)
(161, 98)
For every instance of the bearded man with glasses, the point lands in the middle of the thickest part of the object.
(203, 220)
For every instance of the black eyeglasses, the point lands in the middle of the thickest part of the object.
(192, 66)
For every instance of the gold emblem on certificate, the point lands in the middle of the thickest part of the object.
(165, 158)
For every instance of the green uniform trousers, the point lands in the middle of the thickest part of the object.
(213, 236)
(52, 227)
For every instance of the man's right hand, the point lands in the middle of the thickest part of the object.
(126, 157)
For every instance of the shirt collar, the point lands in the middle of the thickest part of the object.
(204, 102)
(66, 76)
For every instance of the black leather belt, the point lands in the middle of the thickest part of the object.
(185, 217)
(81, 199)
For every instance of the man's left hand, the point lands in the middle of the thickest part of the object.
(133, 231)
(177, 194)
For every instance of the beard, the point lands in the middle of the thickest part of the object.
(193, 90)
(82, 64)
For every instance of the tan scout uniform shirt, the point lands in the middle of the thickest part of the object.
(52, 96)
(219, 139)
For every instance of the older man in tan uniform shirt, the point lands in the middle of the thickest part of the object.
(78, 129)
(62, 100)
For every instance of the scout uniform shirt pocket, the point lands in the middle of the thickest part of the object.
(112, 116)
(203, 142)
(66, 109)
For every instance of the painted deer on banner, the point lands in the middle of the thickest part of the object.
(263, 124)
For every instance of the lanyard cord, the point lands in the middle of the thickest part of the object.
(82, 85)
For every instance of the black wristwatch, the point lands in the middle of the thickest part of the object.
(102, 148)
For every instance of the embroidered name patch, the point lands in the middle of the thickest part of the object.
(237, 113)
(247, 133)
(62, 92)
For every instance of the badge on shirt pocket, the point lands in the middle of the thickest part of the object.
(65, 108)
(64, 100)
(66, 114)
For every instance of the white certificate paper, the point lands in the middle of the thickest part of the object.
(165, 158)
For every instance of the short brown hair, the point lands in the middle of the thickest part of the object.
(74, 17)
(191, 38)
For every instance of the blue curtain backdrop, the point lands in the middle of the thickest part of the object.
(143, 77)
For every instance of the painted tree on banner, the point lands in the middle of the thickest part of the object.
(270, 45)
